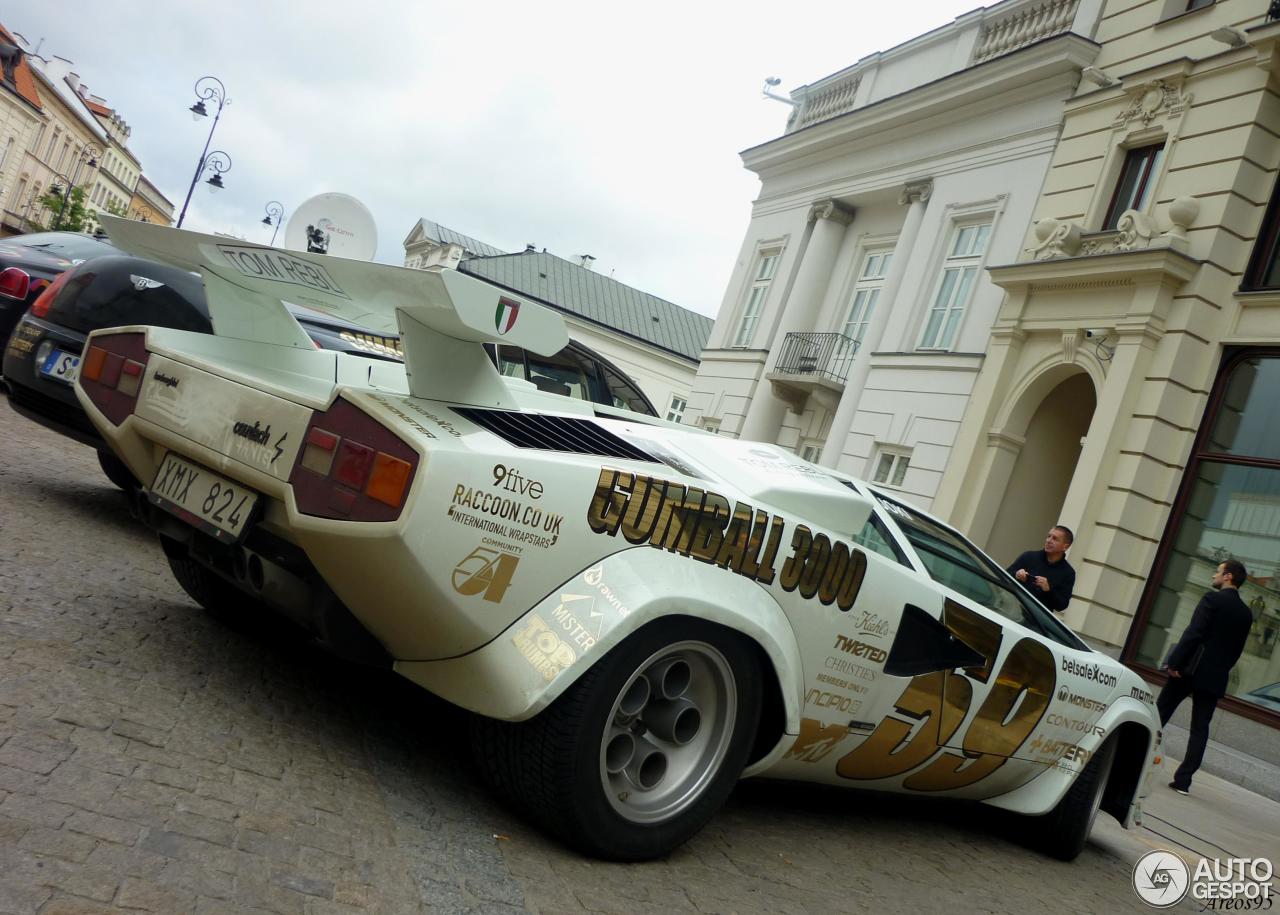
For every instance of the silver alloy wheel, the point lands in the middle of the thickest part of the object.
(668, 732)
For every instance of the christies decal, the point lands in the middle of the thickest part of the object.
(700, 524)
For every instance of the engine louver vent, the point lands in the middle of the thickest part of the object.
(554, 433)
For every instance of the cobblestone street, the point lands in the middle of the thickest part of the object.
(155, 759)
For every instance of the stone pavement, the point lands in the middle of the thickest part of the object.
(155, 760)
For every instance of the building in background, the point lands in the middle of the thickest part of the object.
(149, 205)
(21, 117)
(654, 341)
(54, 133)
(1132, 381)
(859, 310)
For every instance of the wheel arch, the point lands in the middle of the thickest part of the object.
(1134, 747)
(510, 680)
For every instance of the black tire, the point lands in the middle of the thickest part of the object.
(221, 599)
(1063, 831)
(556, 769)
(117, 472)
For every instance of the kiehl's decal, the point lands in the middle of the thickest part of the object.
(700, 524)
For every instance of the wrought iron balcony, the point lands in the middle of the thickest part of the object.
(823, 355)
(812, 365)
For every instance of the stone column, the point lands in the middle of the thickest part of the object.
(914, 195)
(798, 313)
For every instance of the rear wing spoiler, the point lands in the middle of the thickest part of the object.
(442, 316)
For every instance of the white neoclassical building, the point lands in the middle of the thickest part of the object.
(859, 310)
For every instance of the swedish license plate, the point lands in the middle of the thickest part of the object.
(61, 366)
(202, 498)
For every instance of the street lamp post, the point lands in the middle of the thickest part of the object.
(207, 88)
(88, 156)
(275, 216)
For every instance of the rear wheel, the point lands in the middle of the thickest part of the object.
(1063, 831)
(638, 754)
(117, 472)
(211, 591)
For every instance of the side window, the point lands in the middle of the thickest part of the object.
(866, 292)
(559, 374)
(675, 410)
(623, 394)
(511, 361)
(876, 538)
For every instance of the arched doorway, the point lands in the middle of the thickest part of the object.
(1032, 501)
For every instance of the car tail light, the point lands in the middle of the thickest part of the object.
(352, 468)
(111, 373)
(15, 283)
(40, 307)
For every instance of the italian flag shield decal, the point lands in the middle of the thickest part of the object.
(505, 317)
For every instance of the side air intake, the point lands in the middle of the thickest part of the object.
(554, 433)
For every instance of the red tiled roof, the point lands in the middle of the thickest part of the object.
(24, 81)
(98, 109)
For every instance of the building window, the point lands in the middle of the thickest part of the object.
(891, 467)
(1137, 181)
(1198, 4)
(35, 144)
(1263, 271)
(711, 425)
(810, 450)
(1229, 508)
(53, 144)
(763, 276)
(676, 409)
(955, 288)
(866, 293)
(16, 203)
(4, 156)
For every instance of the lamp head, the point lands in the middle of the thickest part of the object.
(215, 183)
(198, 111)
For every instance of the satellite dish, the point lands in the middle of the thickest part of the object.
(336, 224)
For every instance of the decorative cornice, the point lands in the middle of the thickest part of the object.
(1143, 266)
(831, 209)
(915, 191)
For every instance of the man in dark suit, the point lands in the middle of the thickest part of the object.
(1199, 664)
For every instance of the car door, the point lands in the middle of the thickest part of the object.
(979, 684)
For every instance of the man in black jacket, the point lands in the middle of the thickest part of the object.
(1199, 664)
(1046, 573)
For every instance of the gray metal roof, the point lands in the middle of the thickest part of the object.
(445, 235)
(578, 291)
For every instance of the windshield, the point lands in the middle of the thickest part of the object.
(70, 245)
(953, 561)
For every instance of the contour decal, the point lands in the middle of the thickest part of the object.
(700, 524)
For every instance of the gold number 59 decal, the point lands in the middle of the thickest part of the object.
(939, 702)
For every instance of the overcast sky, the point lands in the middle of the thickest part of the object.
(574, 126)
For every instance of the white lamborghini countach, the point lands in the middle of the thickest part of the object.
(639, 614)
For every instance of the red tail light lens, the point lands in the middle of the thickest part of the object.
(15, 283)
(40, 307)
(111, 372)
(352, 468)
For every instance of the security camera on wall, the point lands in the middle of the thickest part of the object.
(1095, 333)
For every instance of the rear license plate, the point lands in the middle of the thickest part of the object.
(61, 366)
(202, 498)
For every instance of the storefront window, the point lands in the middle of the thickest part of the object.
(1230, 509)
